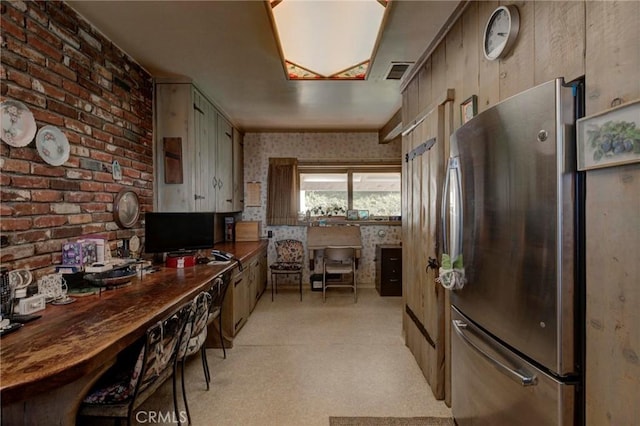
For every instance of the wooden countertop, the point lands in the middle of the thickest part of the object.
(71, 341)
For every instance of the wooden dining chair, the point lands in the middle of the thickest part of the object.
(139, 371)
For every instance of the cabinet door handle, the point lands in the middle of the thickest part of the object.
(214, 182)
(198, 197)
(220, 183)
(394, 259)
(229, 201)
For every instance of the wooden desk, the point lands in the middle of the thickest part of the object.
(67, 349)
(320, 237)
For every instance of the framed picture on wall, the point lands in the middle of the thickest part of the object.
(468, 109)
(609, 138)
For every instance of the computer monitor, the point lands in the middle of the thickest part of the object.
(178, 232)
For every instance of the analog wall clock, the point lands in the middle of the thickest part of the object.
(126, 208)
(501, 32)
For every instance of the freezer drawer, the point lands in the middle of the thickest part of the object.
(493, 386)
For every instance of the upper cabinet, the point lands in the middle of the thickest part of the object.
(238, 171)
(223, 180)
(194, 152)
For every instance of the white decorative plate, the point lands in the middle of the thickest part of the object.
(53, 145)
(18, 124)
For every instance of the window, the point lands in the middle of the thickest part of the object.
(331, 190)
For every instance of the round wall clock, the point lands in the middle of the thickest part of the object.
(501, 32)
(126, 208)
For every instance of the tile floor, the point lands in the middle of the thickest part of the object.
(298, 363)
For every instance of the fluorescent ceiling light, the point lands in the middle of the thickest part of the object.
(327, 39)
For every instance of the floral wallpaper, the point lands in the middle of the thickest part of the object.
(258, 147)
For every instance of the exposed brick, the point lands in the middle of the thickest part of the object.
(25, 51)
(93, 228)
(103, 177)
(62, 108)
(65, 208)
(14, 29)
(49, 221)
(78, 197)
(93, 207)
(16, 166)
(103, 198)
(46, 196)
(30, 236)
(30, 209)
(12, 194)
(46, 170)
(90, 40)
(65, 185)
(91, 186)
(36, 262)
(88, 84)
(29, 182)
(77, 125)
(19, 78)
(49, 246)
(42, 46)
(27, 96)
(35, 27)
(53, 91)
(44, 74)
(15, 224)
(47, 117)
(66, 232)
(102, 217)
(81, 151)
(135, 174)
(14, 61)
(62, 70)
(90, 119)
(77, 219)
(6, 210)
(113, 187)
(101, 156)
(12, 253)
(79, 174)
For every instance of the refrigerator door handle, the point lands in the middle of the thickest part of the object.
(451, 210)
(531, 380)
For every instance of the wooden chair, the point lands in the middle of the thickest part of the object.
(139, 371)
(289, 257)
(339, 260)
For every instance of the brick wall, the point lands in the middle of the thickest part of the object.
(72, 77)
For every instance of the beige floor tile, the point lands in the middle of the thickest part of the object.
(298, 363)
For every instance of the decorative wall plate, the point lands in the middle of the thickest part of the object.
(18, 124)
(52, 145)
(126, 208)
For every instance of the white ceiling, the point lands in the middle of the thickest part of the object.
(227, 48)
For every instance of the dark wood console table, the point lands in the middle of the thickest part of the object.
(47, 367)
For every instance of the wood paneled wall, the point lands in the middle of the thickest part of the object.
(599, 40)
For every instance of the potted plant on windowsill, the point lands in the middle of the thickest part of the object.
(329, 211)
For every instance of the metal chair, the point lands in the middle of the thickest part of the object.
(192, 342)
(139, 371)
(339, 260)
(290, 254)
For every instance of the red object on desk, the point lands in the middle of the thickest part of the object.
(180, 261)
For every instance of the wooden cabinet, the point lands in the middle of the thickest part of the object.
(223, 179)
(389, 270)
(239, 292)
(238, 171)
(194, 152)
(245, 288)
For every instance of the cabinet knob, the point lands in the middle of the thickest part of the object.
(198, 197)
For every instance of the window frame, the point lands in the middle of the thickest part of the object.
(349, 168)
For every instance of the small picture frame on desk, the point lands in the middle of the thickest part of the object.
(352, 214)
(363, 214)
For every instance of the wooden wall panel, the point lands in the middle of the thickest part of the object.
(601, 40)
(488, 71)
(517, 68)
(613, 296)
(559, 40)
(612, 53)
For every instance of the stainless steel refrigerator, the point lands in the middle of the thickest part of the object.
(511, 211)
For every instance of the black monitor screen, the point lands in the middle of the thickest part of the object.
(170, 232)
